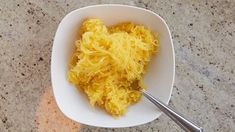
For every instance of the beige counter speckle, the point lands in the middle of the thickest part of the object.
(203, 35)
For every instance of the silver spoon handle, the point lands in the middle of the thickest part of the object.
(184, 123)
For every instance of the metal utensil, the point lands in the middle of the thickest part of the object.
(184, 123)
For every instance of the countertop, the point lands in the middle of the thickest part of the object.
(203, 34)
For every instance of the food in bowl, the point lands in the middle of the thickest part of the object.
(109, 63)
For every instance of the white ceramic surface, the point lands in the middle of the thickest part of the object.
(159, 78)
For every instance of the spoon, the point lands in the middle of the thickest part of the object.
(184, 123)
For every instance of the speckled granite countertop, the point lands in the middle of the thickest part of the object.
(204, 39)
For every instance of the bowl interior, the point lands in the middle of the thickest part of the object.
(159, 77)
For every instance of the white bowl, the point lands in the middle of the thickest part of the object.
(159, 78)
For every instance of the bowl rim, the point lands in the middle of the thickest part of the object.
(113, 5)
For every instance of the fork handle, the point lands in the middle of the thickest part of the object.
(184, 123)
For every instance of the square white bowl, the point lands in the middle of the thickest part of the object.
(159, 77)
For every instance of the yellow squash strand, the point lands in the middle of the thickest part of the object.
(109, 63)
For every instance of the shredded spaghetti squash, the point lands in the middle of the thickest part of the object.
(109, 63)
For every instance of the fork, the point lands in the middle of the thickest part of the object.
(184, 123)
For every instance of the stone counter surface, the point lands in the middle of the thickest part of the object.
(203, 34)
